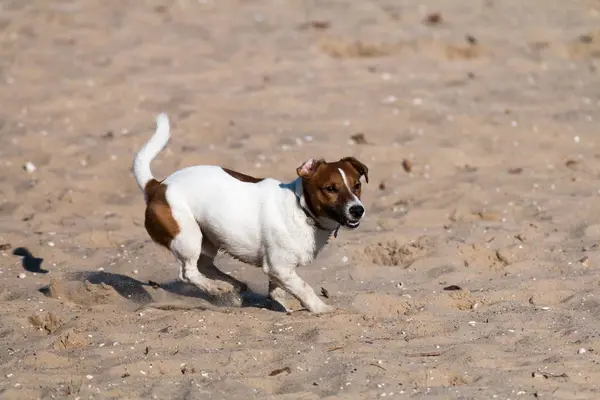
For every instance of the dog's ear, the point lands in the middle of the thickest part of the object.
(360, 167)
(308, 168)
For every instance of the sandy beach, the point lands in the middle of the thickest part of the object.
(475, 275)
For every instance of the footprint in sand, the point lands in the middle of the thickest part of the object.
(393, 253)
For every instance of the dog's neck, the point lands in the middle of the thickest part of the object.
(324, 224)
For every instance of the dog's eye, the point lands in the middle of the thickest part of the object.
(357, 186)
(329, 189)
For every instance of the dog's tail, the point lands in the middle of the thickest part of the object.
(142, 160)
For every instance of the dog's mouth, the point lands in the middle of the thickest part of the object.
(344, 220)
(352, 224)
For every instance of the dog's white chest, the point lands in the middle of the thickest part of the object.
(305, 240)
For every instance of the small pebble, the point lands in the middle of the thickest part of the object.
(22, 276)
(581, 351)
(135, 271)
(89, 377)
(30, 167)
(51, 244)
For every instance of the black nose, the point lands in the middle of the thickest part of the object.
(357, 211)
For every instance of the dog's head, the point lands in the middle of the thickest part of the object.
(332, 190)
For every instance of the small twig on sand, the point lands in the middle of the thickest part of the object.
(276, 372)
(378, 366)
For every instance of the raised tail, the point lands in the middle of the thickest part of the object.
(142, 160)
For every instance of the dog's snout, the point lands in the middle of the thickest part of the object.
(357, 211)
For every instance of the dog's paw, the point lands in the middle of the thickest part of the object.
(240, 287)
(221, 288)
(228, 299)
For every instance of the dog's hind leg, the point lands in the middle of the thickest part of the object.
(186, 247)
(206, 266)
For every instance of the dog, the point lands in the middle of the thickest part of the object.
(199, 210)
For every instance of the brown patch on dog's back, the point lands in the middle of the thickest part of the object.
(242, 177)
(159, 223)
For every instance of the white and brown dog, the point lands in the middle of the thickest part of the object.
(200, 210)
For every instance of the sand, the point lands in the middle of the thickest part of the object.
(475, 275)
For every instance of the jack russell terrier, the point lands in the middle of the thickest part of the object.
(199, 210)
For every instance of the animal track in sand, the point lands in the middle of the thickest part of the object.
(49, 322)
(478, 255)
(392, 253)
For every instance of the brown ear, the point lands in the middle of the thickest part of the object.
(360, 167)
(308, 168)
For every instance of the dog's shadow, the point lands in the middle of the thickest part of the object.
(30, 263)
(141, 293)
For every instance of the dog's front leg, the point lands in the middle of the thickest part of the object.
(297, 287)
